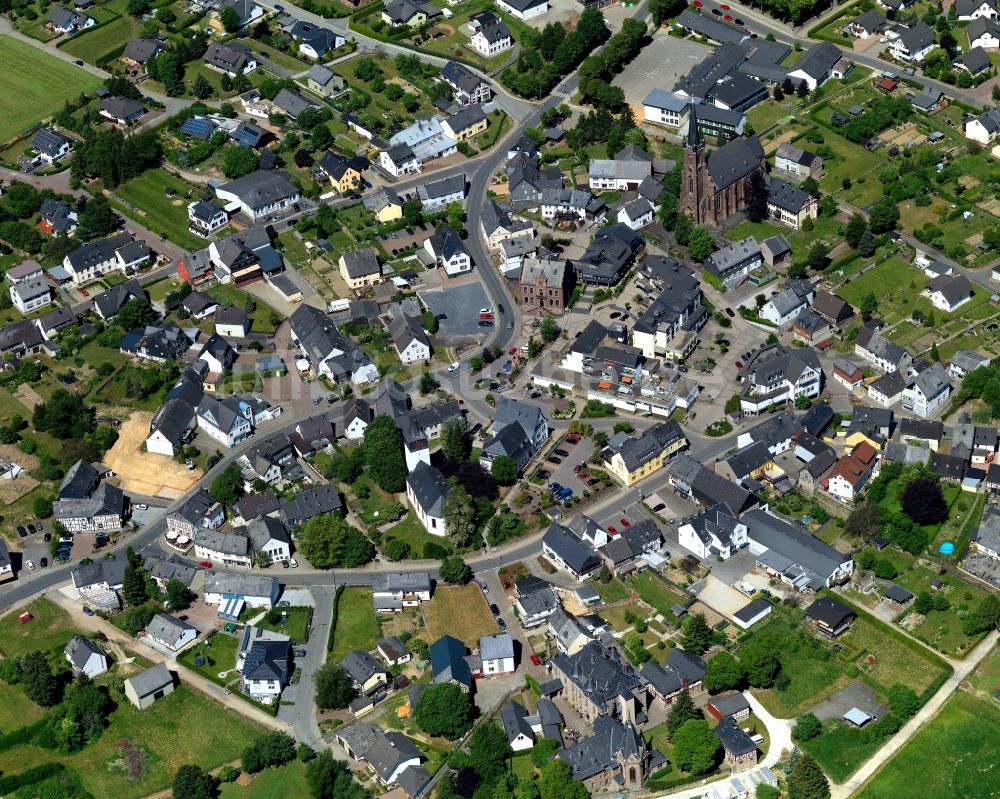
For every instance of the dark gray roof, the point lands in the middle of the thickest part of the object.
(262, 188)
(734, 161)
(600, 673)
(917, 37)
(79, 650)
(324, 498)
(794, 548)
(818, 60)
(710, 28)
(153, 679)
(574, 552)
(361, 666)
(733, 739)
(167, 628)
(429, 487)
(829, 610)
(751, 609)
(708, 487)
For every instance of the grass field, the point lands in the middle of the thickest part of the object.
(16, 709)
(461, 611)
(413, 533)
(50, 629)
(655, 592)
(164, 215)
(37, 88)
(260, 317)
(185, 727)
(295, 626)
(612, 591)
(942, 629)
(840, 749)
(275, 783)
(952, 755)
(93, 45)
(219, 652)
(355, 623)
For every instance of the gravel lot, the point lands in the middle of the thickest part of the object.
(659, 66)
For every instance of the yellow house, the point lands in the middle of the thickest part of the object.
(855, 437)
(633, 459)
(360, 268)
(343, 174)
(385, 204)
(466, 123)
(367, 674)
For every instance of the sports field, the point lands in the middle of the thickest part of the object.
(37, 88)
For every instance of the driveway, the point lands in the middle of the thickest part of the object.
(858, 695)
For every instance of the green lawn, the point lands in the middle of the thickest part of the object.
(826, 229)
(894, 660)
(219, 652)
(263, 315)
(10, 406)
(37, 88)
(164, 215)
(278, 57)
(890, 282)
(655, 592)
(184, 727)
(373, 508)
(16, 710)
(413, 533)
(92, 46)
(953, 755)
(612, 591)
(841, 749)
(356, 627)
(295, 626)
(848, 161)
(49, 629)
(379, 101)
(275, 783)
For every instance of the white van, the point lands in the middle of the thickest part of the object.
(455, 367)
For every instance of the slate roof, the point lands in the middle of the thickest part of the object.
(570, 549)
(430, 488)
(733, 739)
(151, 680)
(311, 502)
(734, 161)
(168, 629)
(709, 487)
(791, 548)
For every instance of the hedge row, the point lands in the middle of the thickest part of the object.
(333, 624)
(29, 777)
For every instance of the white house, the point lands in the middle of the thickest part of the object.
(426, 491)
(948, 292)
(850, 474)
(713, 532)
(984, 33)
(491, 40)
(263, 663)
(968, 10)
(169, 632)
(270, 536)
(927, 392)
(30, 295)
(259, 194)
(393, 591)
(399, 160)
(783, 307)
(226, 420)
(204, 218)
(412, 345)
(254, 590)
(232, 321)
(231, 549)
(636, 214)
(524, 9)
(913, 44)
(497, 654)
(449, 251)
(86, 657)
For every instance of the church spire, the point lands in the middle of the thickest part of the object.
(693, 139)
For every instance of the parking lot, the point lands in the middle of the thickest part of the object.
(659, 66)
(563, 473)
(457, 309)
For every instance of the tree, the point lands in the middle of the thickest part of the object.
(42, 507)
(456, 445)
(460, 516)
(229, 18)
(137, 8)
(985, 617)
(802, 90)
(701, 244)
(923, 501)
(455, 216)
(328, 540)
(383, 450)
(806, 727)
(549, 329)
(334, 689)
(268, 749)
(757, 197)
(178, 594)
(428, 383)
(867, 244)
(329, 779)
(682, 709)
(397, 549)
(903, 700)
(683, 226)
(227, 487)
(201, 88)
(65, 415)
(592, 28)
(864, 520)
(733, 404)
(238, 161)
(98, 219)
(695, 747)
(723, 673)
(868, 305)
(807, 780)
(134, 585)
(444, 710)
(557, 781)
(697, 634)
(856, 227)
(455, 571)
(193, 782)
(760, 663)
(818, 257)
(136, 313)
(37, 680)
(883, 216)
(489, 752)
(504, 470)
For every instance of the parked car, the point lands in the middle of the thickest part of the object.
(30, 565)
(43, 563)
(613, 530)
(47, 537)
(88, 611)
(535, 660)
(454, 367)
(32, 529)
(577, 468)
(544, 474)
(555, 488)
(625, 522)
(562, 453)
(21, 531)
(573, 438)
(293, 563)
(584, 475)
(553, 459)
(501, 624)
(494, 609)
(484, 586)
(593, 481)
(729, 313)
(658, 507)
(205, 564)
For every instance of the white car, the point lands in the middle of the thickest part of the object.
(31, 565)
(293, 563)
(454, 367)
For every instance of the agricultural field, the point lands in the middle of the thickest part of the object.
(953, 754)
(107, 40)
(38, 88)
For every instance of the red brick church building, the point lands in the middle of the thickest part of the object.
(716, 187)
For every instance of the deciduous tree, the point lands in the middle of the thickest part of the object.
(444, 710)
(383, 451)
(695, 747)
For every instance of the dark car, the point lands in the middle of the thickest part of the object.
(553, 459)
(494, 609)
(729, 313)
(78, 62)
(658, 507)
(562, 453)
(21, 531)
(501, 624)
(47, 537)
(32, 529)
(716, 12)
(44, 563)
(555, 488)
(544, 474)
(499, 307)
(739, 22)
(89, 611)
(593, 481)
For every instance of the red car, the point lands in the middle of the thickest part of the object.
(535, 660)
(612, 530)
(578, 467)
(512, 351)
(724, 6)
(573, 438)
(205, 564)
(697, 3)
(625, 523)
(728, 17)
(84, 292)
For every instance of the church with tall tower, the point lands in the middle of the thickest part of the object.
(716, 186)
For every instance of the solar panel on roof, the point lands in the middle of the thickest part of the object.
(198, 127)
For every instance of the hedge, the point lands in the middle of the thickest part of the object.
(333, 624)
(22, 736)
(29, 777)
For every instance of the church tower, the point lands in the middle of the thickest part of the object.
(693, 177)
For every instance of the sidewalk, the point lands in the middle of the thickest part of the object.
(188, 677)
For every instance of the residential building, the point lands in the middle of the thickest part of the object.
(789, 205)
(598, 682)
(740, 751)
(62, 20)
(519, 430)
(796, 162)
(491, 36)
(693, 479)
(51, 145)
(344, 174)
(913, 44)
(985, 540)
(878, 350)
(269, 536)
(468, 87)
(264, 663)
(683, 671)
(326, 350)
(985, 127)
(714, 531)
(733, 264)
(91, 261)
(315, 42)
(965, 361)
(568, 552)
(385, 204)
(199, 511)
(393, 651)
(634, 458)
(30, 295)
(53, 322)
(536, 605)
(818, 64)
(609, 256)
(156, 343)
(866, 24)
(360, 268)
(968, 10)
(449, 663)
(391, 756)
(792, 556)
(851, 473)
(778, 374)
(312, 502)
(121, 110)
(323, 80)
(984, 33)
(496, 652)
(247, 11)
(367, 674)
(438, 194)
(449, 252)
(399, 159)
(836, 310)
(232, 549)
(948, 292)
(662, 107)
(409, 339)
(545, 286)
(412, 13)
(88, 503)
(784, 307)
(86, 657)
(204, 218)
(146, 687)
(250, 590)
(230, 59)
(618, 174)
(228, 420)
(170, 633)
(393, 591)
(927, 391)
(888, 389)
(830, 617)
(260, 194)
(636, 213)
(668, 327)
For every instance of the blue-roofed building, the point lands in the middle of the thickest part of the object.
(448, 663)
(199, 127)
(662, 107)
